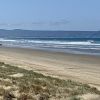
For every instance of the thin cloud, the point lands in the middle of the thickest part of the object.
(41, 23)
(59, 23)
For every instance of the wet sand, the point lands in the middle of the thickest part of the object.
(83, 68)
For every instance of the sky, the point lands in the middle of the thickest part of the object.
(50, 14)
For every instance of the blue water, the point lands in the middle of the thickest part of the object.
(89, 46)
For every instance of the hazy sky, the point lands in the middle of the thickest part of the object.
(50, 14)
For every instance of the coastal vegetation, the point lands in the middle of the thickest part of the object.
(21, 84)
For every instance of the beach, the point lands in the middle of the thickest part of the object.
(82, 68)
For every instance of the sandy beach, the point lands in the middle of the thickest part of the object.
(81, 68)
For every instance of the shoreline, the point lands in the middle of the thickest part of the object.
(83, 68)
(52, 51)
(67, 51)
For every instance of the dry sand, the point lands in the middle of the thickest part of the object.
(81, 68)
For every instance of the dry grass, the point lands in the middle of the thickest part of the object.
(36, 86)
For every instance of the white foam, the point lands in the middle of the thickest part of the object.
(57, 42)
(52, 44)
(7, 40)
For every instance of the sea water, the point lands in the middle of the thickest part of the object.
(81, 45)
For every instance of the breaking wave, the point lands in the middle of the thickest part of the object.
(63, 45)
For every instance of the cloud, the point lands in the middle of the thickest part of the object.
(36, 23)
(59, 23)
(4, 24)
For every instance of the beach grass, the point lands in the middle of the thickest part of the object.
(23, 84)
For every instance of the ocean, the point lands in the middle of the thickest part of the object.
(90, 46)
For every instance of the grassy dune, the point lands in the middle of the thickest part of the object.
(20, 84)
